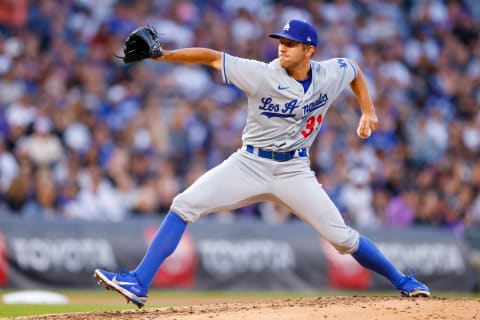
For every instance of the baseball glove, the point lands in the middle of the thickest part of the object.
(142, 43)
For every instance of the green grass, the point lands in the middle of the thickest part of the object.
(15, 310)
(101, 300)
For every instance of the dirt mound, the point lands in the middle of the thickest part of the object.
(358, 308)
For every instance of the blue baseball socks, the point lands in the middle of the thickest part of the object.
(171, 230)
(163, 244)
(370, 257)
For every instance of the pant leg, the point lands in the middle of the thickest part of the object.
(240, 180)
(297, 187)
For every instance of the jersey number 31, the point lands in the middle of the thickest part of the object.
(310, 125)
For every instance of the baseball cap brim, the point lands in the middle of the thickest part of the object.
(287, 36)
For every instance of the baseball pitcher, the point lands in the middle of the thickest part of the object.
(288, 99)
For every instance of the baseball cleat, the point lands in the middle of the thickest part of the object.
(411, 287)
(126, 284)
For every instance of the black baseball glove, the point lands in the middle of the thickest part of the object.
(142, 43)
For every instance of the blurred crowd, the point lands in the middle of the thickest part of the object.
(83, 135)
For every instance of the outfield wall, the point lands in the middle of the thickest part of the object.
(244, 255)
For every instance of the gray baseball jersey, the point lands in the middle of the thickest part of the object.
(281, 117)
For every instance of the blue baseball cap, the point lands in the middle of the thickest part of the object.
(298, 30)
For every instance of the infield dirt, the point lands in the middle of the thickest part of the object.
(355, 308)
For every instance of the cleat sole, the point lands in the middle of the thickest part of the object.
(416, 294)
(138, 301)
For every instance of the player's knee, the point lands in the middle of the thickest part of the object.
(343, 249)
(348, 244)
(184, 217)
(182, 207)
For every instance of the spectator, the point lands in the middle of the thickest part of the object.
(8, 167)
(273, 213)
(42, 147)
(43, 203)
(97, 198)
(357, 197)
(19, 191)
(401, 209)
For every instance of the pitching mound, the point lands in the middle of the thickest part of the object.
(358, 308)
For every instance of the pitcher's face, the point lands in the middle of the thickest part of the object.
(292, 53)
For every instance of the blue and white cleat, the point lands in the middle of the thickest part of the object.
(126, 284)
(411, 287)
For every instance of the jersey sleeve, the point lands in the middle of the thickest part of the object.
(343, 71)
(246, 74)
